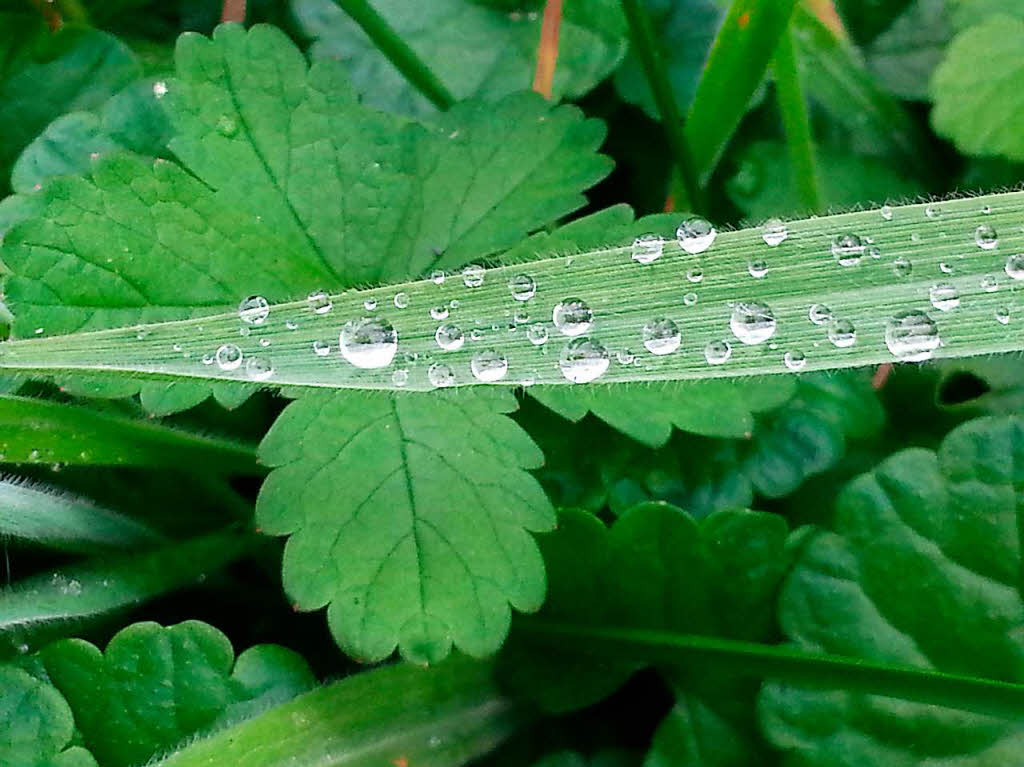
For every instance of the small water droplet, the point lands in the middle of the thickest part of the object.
(401, 300)
(1003, 315)
(258, 368)
(717, 352)
(986, 209)
(572, 317)
(625, 357)
(370, 304)
(842, 333)
(437, 277)
(488, 365)
(819, 314)
(945, 267)
(400, 377)
(774, 232)
(912, 336)
(206, 359)
(159, 89)
(902, 266)
(887, 212)
(695, 275)
(583, 360)
(689, 299)
(647, 248)
(439, 313)
(758, 268)
(986, 238)
(848, 249)
(228, 357)
(874, 252)
(944, 297)
(321, 348)
(476, 334)
(932, 211)
(449, 337)
(537, 334)
(291, 325)
(521, 316)
(794, 360)
(368, 343)
(752, 323)
(176, 347)
(989, 283)
(661, 336)
(440, 375)
(254, 310)
(319, 302)
(473, 276)
(695, 235)
(522, 287)
(1015, 266)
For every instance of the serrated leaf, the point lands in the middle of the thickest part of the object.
(924, 569)
(476, 51)
(430, 547)
(153, 686)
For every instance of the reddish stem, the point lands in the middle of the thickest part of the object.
(547, 51)
(233, 10)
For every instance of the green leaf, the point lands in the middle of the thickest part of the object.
(47, 74)
(924, 568)
(977, 86)
(48, 518)
(476, 51)
(153, 687)
(437, 505)
(904, 56)
(38, 727)
(967, 13)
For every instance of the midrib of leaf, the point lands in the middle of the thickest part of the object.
(623, 295)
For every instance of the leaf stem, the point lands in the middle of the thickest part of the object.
(652, 59)
(789, 93)
(398, 52)
(791, 665)
(233, 10)
(547, 50)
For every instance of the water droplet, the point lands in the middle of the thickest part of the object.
(400, 377)
(473, 276)
(572, 317)
(522, 287)
(1003, 315)
(986, 238)
(819, 314)
(440, 375)
(449, 338)
(176, 347)
(401, 300)
(489, 365)
(902, 266)
(291, 325)
(439, 313)
(795, 360)
(244, 331)
(437, 277)
(989, 283)
(228, 357)
(752, 323)
(476, 334)
(583, 360)
(695, 275)
(625, 357)
(661, 336)
(370, 304)
(874, 252)
(521, 316)
(227, 126)
(254, 310)
(848, 249)
(537, 334)
(944, 297)
(319, 302)
(945, 268)
(1015, 266)
(689, 299)
(258, 368)
(647, 248)
(932, 211)
(774, 232)
(717, 352)
(986, 209)
(321, 348)
(886, 211)
(915, 237)
(368, 343)
(842, 333)
(206, 359)
(695, 235)
(159, 89)
(758, 268)
(912, 336)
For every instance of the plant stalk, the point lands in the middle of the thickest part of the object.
(789, 93)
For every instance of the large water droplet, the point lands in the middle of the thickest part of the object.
(449, 337)
(583, 360)
(228, 357)
(842, 333)
(774, 232)
(848, 249)
(522, 287)
(944, 297)
(258, 368)
(986, 238)
(752, 323)
(661, 336)
(537, 334)
(819, 314)
(440, 375)
(489, 365)
(473, 276)
(1015, 266)
(695, 235)
(319, 302)
(254, 310)
(572, 317)
(795, 360)
(369, 343)
(647, 248)
(717, 352)
(912, 336)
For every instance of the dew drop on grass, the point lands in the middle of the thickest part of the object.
(902, 266)
(819, 314)
(986, 238)
(774, 232)
(647, 248)
(912, 336)
(400, 377)
(932, 211)
(228, 357)
(401, 300)
(695, 275)
(583, 360)
(370, 342)
(254, 310)
(625, 357)
(437, 277)
(661, 336)
(572, 317)
(258, 368)
(695, 235)
(752, 323)
(887, 212)
(292, 325)
(1015, 266)
(944, 297)
(795, 360)
(522, 287)
(159, 89)
(319, 302)
(206, 359)
(370, 304)
(449, 337)
(717, 352)
(758, 268)
(440, 375)
(848, 249)
(489, 365)
(1003, 315)
(439, 313)
(473, 276)
(689, 299)
(842, 334)
(537, 334)
(989, 283)
(321, 348)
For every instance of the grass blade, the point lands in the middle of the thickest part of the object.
(49, 517)
(793, 106)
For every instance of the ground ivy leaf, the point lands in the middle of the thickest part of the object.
(430, 546)
(476, 51)
(923, 568)
(977, 89)
(154, 686)
(37, 725)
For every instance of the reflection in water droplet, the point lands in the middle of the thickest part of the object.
(368, 343)
(986, 238)
(522, 287)
(449, 337)
(795, 360)
(537, 334)
(944, 297)
(842, 333)
(228, 357)
(819, 314)
(473, 276)
(258, 368)
(912, 336)
(848, 249)
(695, 235)
(774, 232)
(902, 267)
(253, 310)
(321, 348)
(572, 317)
(717, 352)
(661, 336)
(758, 268)
(583, 360)
(647, 248)
(440, 375)
(319, 302)
(489, 365)
(752, 323)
